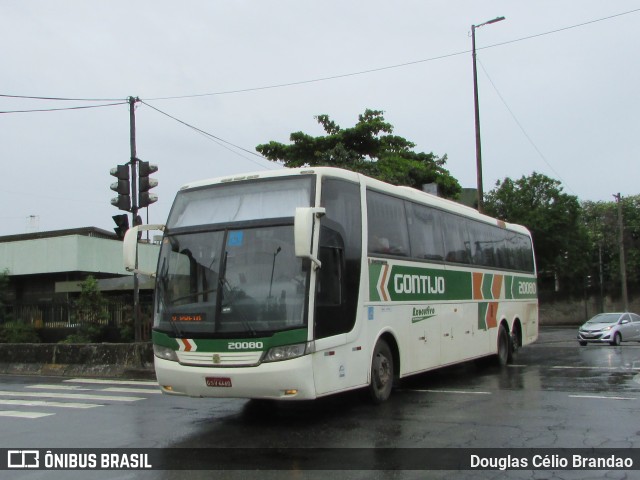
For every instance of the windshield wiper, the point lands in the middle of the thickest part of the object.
(273, 267)
(226, 298)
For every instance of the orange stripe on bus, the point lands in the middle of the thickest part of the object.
(477, 285)
(492, 315)
(496, 288)
(383, 284)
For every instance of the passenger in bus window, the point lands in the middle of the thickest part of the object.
(379, 245)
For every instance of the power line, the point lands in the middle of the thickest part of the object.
(558, 30)
(220, 141)
(542, 156)
(315, 80)
(339, 76)
(64, 108)
(63, 99)
(390, 67)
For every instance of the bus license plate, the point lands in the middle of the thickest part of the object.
(218, 381)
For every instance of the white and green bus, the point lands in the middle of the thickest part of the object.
(300, 283)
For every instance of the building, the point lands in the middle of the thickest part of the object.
(46, 269)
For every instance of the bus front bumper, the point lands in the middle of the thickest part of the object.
(285, 380)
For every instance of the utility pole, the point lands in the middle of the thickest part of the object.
(137, 324)
(623, 266)
(477, 113)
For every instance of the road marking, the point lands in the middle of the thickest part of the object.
(58, 387)
(460, 392)
(513, 365)
(132, 390)
(9, 413)
(111, 382)
(75, 396)
(153, 390)
(42, 403)
(561, 367)
(601, 397)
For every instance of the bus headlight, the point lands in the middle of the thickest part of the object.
(165, 353)
(287, 352)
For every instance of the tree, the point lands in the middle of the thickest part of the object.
(370, 148)
(554, 219)
(601, 223)
(4, 293)
(91, 313)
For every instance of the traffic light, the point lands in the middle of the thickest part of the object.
(145, 184)
(122, 225)
(122, 187)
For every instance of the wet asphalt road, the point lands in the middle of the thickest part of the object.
(556, 395)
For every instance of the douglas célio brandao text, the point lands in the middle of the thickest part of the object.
(551, 461)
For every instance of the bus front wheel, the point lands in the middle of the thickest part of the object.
(382, 374)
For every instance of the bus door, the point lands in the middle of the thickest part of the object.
(338, 365)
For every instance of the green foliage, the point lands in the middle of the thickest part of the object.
(18, 332)
(127, 327)
(601, 223)
(554, 219)
(91, 314)
(4, 292)
(370, 148)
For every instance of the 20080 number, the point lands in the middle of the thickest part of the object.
(245, 345)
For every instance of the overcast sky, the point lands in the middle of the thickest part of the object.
(564, 104)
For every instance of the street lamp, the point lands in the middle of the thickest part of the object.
(477, 111)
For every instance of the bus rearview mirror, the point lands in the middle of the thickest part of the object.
(130, 248)
(303, 224)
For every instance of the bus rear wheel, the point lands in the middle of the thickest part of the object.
(382, 373)
(504, 355)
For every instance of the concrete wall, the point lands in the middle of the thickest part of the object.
(122, 360)
(576, 312)
(72, 253)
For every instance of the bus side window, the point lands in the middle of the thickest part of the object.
(425, 232)
(387, 219)
(330, 279)
(456, 239)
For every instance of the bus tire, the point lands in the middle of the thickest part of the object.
(504, 353)
(382, 373)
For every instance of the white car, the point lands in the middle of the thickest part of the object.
(611, 328)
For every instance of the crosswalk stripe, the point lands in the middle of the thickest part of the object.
(42, 403)
(58, 387)
(111, 382)
(460, 392)
(75, 396)
(601, 397)
(131, 390)
(10, 413)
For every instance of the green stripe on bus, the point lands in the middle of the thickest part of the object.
(508, 285)
(482, 315)
(523, 288)
(374, 275)
(420, 284)
(487, 282)
(288, 337)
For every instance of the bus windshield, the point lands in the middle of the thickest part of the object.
(244, 282)
(227, 265)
